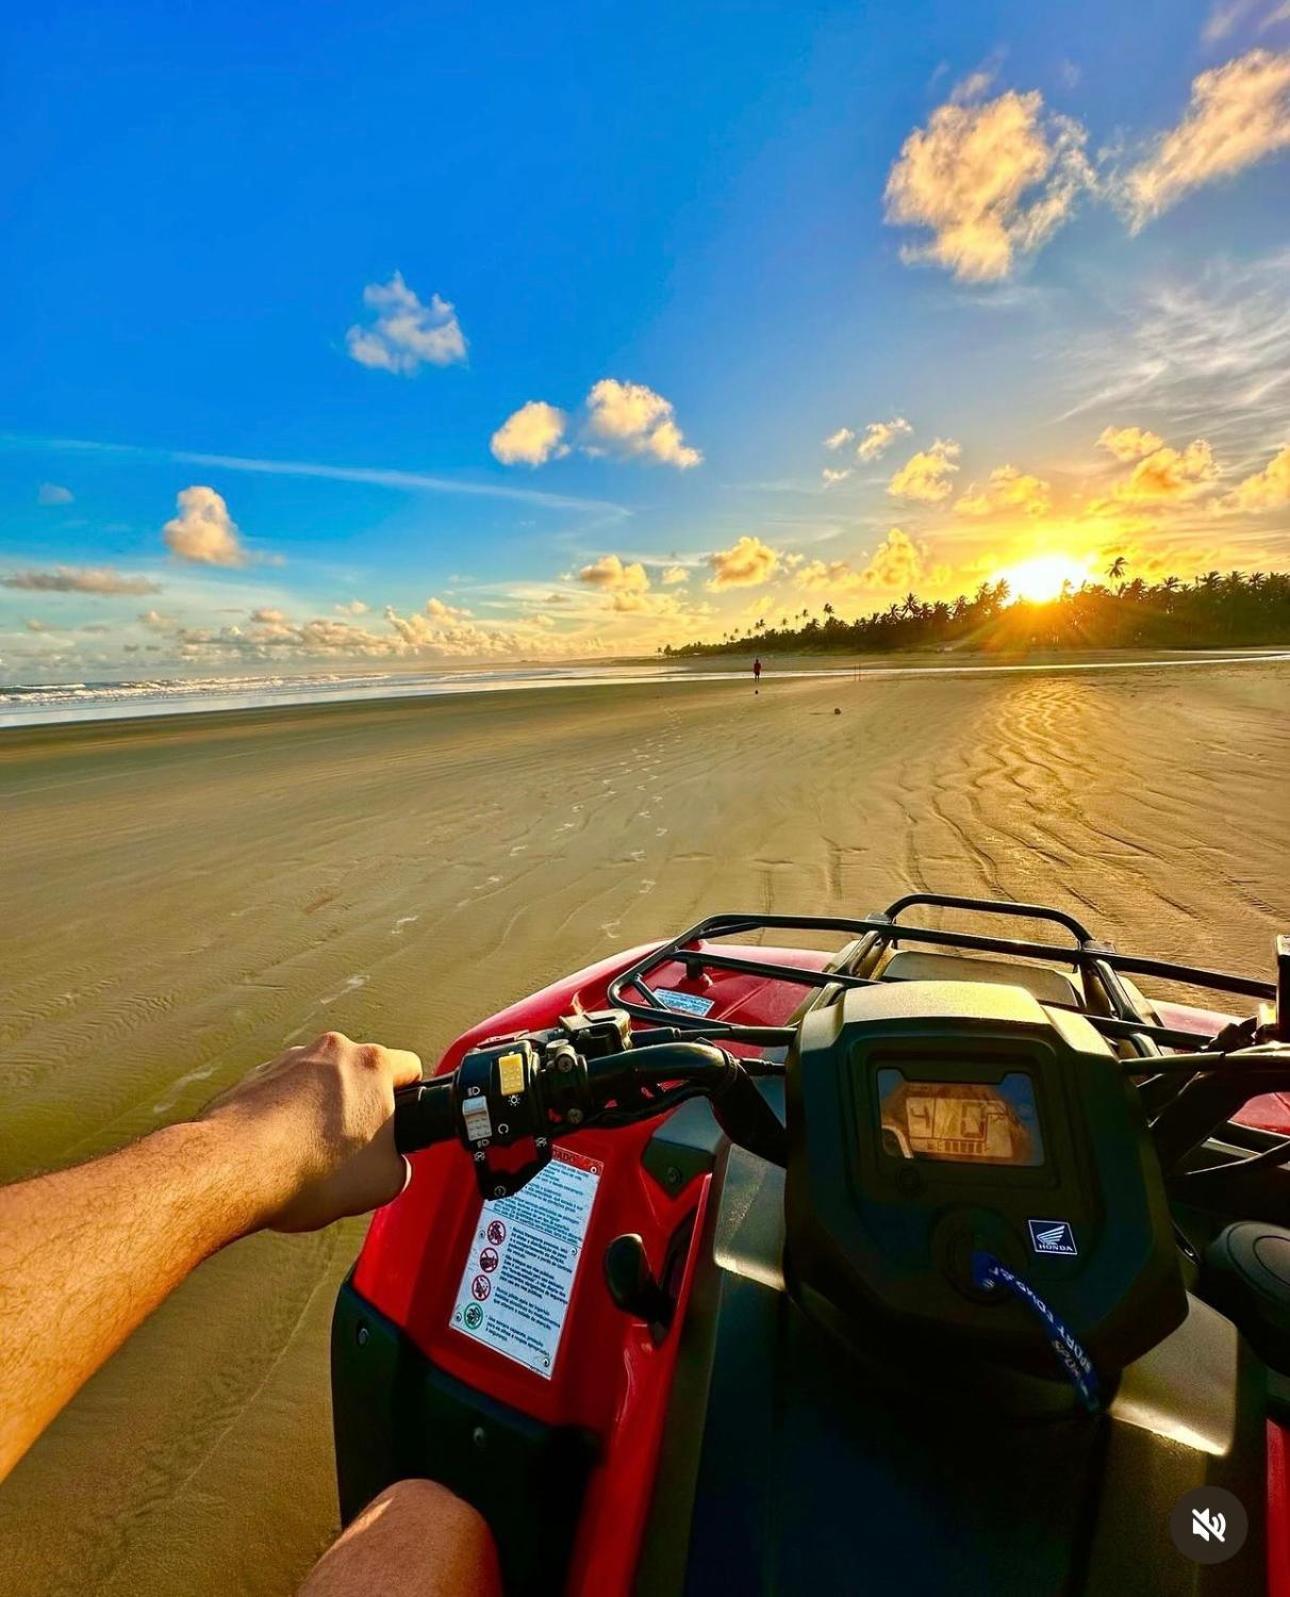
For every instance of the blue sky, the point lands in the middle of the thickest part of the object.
(300, 265)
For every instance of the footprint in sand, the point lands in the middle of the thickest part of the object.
(574, 808)
(610, 927)
(482, 887)
(661, 832)
(404, 920)
(643, 815)
(518, 849)
(352, 984)
(647, 886)
(636, 854)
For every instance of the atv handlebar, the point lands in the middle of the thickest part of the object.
(525, 1092)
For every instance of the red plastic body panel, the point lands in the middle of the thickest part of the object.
(609, 1376)
(1278, 1511)
(1268, 1112)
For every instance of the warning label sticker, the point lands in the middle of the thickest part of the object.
(518, 1280)
(684, 1003)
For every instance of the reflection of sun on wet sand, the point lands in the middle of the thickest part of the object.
(184, 896)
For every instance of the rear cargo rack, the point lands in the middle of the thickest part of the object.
(1087, 955)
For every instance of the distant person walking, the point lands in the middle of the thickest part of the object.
(756, 674)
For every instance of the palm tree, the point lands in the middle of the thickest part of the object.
(1117, 568)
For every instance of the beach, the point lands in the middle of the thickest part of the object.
(185, 895)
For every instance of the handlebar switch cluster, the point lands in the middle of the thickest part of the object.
(512, 1092)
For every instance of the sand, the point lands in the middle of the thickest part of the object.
(184, 896)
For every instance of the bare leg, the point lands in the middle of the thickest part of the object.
(415, 1540)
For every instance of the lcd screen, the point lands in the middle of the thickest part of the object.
(961, 1122)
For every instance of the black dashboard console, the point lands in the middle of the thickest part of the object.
(935, 1123)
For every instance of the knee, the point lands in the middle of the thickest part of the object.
(414, 1539)
(428, 1509)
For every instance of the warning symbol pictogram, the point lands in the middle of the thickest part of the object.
(489, 1260)
(481, 1286)
(496, 1233)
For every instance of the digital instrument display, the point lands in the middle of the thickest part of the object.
(960, 1122)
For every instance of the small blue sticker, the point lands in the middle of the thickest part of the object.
(683, 1003)
(1053, 1236)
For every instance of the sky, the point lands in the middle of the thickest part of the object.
(380, 336)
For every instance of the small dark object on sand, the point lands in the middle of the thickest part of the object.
(837, 711)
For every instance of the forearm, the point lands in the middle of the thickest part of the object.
(86, 1254)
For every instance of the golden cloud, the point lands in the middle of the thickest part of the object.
(1008, 491)
(1170, 474)
(746, 564)
(1268, 489)
(991, 182)
(926, 475)
(897, 563)
(1129, 443)
(879, 437)
(610, 574)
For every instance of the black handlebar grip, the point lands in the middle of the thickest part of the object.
(425, 1114)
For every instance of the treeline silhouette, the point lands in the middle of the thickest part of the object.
(1215, 610)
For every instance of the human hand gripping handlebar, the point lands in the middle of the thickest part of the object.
(508, 1101)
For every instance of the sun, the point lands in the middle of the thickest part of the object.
(1042, 578)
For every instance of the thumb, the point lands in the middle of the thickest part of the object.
(405, 1066)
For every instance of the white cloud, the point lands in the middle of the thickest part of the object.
(631, 419)
(405, 334)
(991, 181)
(531, 435)
(155, 620)
(1268, 489)
(746, 564)
(879, 436)
(1238, 115)
(674, 575)
(926, 476)
(52, 493)
(351, 607)
(268, 616)
(203, 531)
(844, 435)
(1007, 491)
(830, 476)
(80, 579)
(1230, 14)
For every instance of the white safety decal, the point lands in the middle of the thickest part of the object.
(518, 1281)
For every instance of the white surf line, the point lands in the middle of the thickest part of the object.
(201, 704)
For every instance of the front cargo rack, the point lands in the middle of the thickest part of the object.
(1097, 963)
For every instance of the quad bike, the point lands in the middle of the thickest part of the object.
(943, 1263)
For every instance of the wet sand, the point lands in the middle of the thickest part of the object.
(184, 896)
